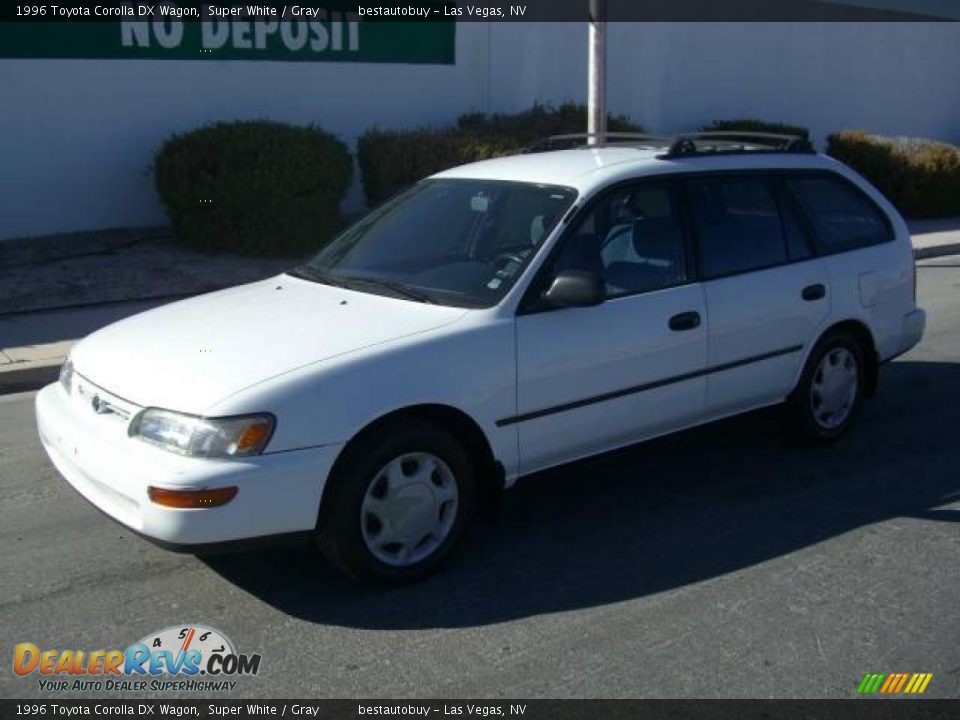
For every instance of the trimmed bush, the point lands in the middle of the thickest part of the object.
(391, 160)
(253, 187)
(920, 177)
(748, 125)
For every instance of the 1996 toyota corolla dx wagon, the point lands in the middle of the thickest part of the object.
(494, 320)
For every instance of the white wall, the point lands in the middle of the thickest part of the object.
(896, 78)
(77, 136)
(901, 78)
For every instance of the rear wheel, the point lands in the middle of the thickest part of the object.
(398, 502)
(829, 394)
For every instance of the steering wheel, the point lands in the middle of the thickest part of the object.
(503, 258)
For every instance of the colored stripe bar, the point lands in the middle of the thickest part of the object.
(903, 680)
(910, 685)
(894, 683)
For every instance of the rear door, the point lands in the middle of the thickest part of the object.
(766, 293)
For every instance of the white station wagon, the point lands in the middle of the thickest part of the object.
(494, 320)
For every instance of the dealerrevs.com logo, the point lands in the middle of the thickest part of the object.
(199, 658)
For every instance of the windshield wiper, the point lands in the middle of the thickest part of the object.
(399, 288)
(307, 272)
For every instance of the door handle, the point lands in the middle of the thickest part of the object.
(814, 292)
(685, 321)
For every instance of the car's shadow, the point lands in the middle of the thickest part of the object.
(657, 516)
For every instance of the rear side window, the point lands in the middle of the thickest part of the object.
(799, 243)
(842, 217)
(737, 224)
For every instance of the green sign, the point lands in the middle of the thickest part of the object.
(337, 37)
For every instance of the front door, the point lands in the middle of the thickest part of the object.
(593, 378)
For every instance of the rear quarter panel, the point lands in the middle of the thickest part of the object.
(874, 284)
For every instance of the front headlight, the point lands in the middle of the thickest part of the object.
(66, 376)
(203, 437)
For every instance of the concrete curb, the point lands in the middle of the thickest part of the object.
(21, 377)
(25, 376)
(107, 303)
(934, 251)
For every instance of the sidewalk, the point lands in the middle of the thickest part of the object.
(91, 268)
(934, 238)
(36, 344)
(57, 299)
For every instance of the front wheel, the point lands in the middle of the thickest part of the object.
(398, 503)
(829, 394)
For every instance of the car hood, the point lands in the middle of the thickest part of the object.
(191, 354)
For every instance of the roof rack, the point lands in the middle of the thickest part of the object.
(573, 140)
(734, 142)
(690, 144)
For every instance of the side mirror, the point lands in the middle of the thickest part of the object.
(574, 288)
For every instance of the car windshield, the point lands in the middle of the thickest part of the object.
(449, 242)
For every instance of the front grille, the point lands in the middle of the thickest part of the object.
(98, 401)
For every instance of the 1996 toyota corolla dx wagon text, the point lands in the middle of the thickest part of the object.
(493, 320)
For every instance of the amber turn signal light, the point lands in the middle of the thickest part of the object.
(254, 437)
(191, 499)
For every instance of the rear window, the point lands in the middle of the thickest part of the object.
(737, 224)
(843, 218)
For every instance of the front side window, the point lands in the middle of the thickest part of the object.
(450, 242)
(738, 225)
(842, 218)
(633, 238)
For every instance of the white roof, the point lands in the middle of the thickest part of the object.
(586, 169)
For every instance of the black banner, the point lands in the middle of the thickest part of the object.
(488, 10)
(485, 709)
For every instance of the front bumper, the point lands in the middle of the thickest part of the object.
(277, 493)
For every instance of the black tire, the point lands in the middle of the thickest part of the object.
(803, 403)
(339, 532)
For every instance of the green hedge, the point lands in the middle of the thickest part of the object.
(921, 177)
(749, 125)
(391, 160)
(253, 187)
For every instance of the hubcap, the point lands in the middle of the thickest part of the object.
(834, 388)
(409, 509)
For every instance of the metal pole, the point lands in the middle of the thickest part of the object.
(597, 73)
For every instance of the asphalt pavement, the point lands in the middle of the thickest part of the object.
(728, 561)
